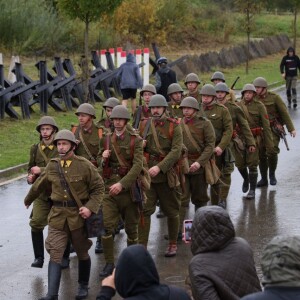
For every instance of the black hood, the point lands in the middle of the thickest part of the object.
(135, 271)
(290, 49)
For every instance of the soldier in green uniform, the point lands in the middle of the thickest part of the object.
(278, 116)
(163, 146)
(142, 113)
(199, 138)
(40, 155)
(257, 117)
(218, 77)
(120, 163)
(108, 106)
(175, 93)
(242, 137)
(220, 118)
(192, 82)
(67, 217)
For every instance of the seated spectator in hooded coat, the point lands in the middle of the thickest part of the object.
(223, 266)
(281, 270)
(136, 278)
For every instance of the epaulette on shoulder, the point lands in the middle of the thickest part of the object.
(173, 120)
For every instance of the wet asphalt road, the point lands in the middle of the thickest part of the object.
(275, 211)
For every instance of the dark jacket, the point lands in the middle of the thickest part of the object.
(290, 64)
(136, 278)
(223, 265)
(164, 77)
(129, 74)
(281, 270)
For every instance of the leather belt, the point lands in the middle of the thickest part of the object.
(68, 203)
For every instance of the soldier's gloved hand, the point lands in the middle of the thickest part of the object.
(115, 189)
(154, 171)
(194, 167)
(218, 151)
(293, 133)
(106, 154)
(84, 212)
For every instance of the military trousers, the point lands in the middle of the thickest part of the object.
(113, 207)
(245, 159)
(57, 240)
(39, 214)
(169, 200)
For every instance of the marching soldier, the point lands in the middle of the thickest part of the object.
(108, 106)
(257, 117)
(278, 117)
(40, 155)
(63, 178)
(192, 82)
(120, 163)
(175, 93)
(218, 77)
(199, 138)
(220, 118)
(142, 114)
(242, 137)
(163, 145)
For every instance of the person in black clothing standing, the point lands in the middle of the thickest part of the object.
(289, 66)
(164, 77)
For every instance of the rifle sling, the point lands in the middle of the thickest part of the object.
(122, 161)
(190, 137)
(85, 146)
(156, 139)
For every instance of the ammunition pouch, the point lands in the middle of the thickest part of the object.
(238, 143)
(212, 172)
(173, 178)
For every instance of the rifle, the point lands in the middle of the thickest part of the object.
(234, 83)
(107, 171)
(280, 131)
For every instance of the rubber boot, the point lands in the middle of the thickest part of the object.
(215, 193)
(54, 274)
(245, 175)
(65, 263)
(108, 250)
(38, 248)
(84, 269)
(263, 167)
(272, 168)
(253, 182)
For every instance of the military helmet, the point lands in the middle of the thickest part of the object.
(120, 112)
(86, 108)
(158, 101)
(46, 120)
(162, 60)
(65, 134)
(208, 89)
(248, 87)
(192, 77)
(221, 87)
(111, 102)
(174, 88)
(148, 88)
(190, 102)
(218, 75)
(260, 82)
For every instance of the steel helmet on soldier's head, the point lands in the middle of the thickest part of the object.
(111, 102)
(65, 134)
(148, 88)
(248, 87)
(158, 101)
(222, 87)
(190, 102)
(46, 120)
(218, 75)
(208, 89)
(86, 108)
(120, 112)
(260, 82)
(162, 60)
(192, 77)
(174, 88)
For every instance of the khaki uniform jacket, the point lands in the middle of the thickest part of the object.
(174, 111)
(197, 96)
(85, 180)
(170, 145)
(240, 123)
(136, 162)
(277, 109)
(220, 118)
(204, 135)
(258, 118)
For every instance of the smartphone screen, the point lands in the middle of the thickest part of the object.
(187, 230)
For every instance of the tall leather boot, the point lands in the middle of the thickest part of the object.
(272, 168)
(54, 274)
(84, 269)
(215, 193)
(38, 248)
(263, 167)
(253, 182)
(245, 175)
